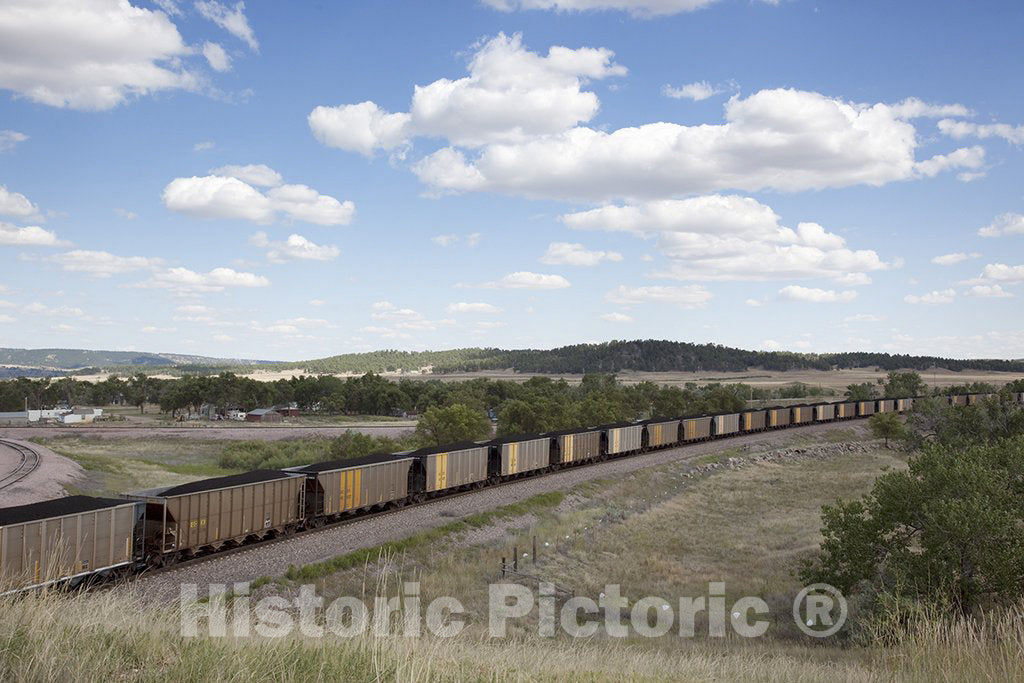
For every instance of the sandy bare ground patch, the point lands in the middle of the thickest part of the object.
(45, 483)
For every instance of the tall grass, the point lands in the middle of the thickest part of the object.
(108, 636)
(923, 644)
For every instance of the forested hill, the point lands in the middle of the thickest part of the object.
(614, 356)
(67, 359)
(643, 355)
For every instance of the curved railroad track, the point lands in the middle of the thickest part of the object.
(28, 462)
(675, 453)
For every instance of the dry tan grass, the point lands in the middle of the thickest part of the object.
(657, 532)
(103, 636)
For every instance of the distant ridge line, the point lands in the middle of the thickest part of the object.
(643, 355)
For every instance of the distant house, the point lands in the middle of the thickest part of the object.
(290, 410)
(263, 415)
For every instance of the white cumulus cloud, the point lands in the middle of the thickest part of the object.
(946, 296)
(965, 157)
(696, 91)
(989, 291)
(1001, 272)
(853, 279)
(573, 254)
(472, 307)
(216, 56)
(954, 258)
(616, 317)
(963, 129)
(781, 139)
(226, 195)
(295, 248)
(102, 264)
(728, 237)
(1004, 224)
(89, 54)
(690, 296)
(362, 127)
(16, 204)
(216, 280)
(30, 236)
(259, 175)
(816, 296)
(526, 280)
(511, 95)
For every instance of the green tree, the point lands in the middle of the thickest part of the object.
(672, 402)
(933, 420)
(451, 424)
(886, 426)
(947, 532)
(902, 384)
(137, 391)
(860, 392)
(597, 409)
(519, 417)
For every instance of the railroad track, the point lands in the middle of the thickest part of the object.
(151, 572)
(256, 546)
(28, 463)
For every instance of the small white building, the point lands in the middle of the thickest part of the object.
(17, 418)
(81, 415)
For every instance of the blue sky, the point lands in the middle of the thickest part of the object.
(294, 180)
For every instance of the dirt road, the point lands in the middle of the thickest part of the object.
(45, 482)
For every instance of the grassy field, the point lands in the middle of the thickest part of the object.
(655, 532)
(115, 465)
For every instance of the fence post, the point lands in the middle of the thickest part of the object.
(535, 550)
(515, 558)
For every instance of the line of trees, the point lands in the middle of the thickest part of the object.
(538, 404)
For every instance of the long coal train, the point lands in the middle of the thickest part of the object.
(84, 539)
